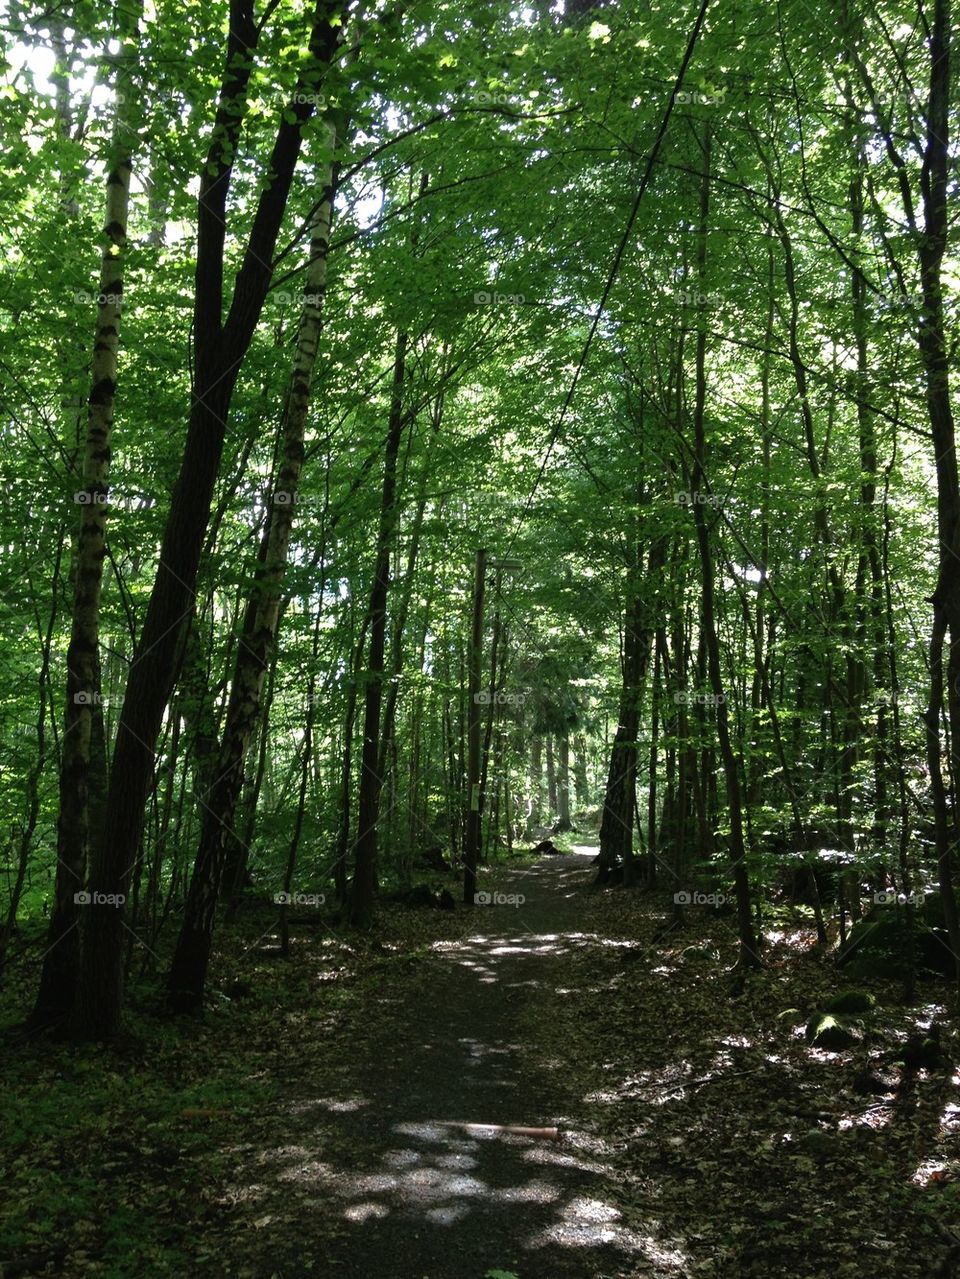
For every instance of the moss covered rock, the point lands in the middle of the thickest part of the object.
(824, 1030)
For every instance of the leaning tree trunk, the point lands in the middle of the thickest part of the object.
(80, 737)
(189, 968)
(219, 351)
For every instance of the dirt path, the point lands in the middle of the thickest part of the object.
(336, 1119)
(413, 1191)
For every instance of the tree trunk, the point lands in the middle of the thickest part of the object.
(749, 954)
(219, 350)
(188, 970)
(342, 846)
(581, 786)
(471, 841)
(551, 779)
(563, 783)
(80, 755)
(364, 886)
(616, 825)
(535, 812)
(933, 349)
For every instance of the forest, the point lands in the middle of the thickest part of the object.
(480, 596)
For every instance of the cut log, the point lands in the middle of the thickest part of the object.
(513, 1130)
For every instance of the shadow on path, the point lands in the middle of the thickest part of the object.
(403, 1155)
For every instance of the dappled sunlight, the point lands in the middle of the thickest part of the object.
(401, 1158)
(879, 1115)
(587, 1223)
(563, 1157)
(365, 1212)
(332, 1104)
(435, 1185)
(436, 1178)
(459, 1144)
(447, 1215)
(532, 1175)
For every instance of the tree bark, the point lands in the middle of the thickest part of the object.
(749, 953)
(80, 754)
(932, 246)
(219, 350)
(364, 885)
(189, 968)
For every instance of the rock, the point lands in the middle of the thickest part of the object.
(850, 1001)
(829, 1032)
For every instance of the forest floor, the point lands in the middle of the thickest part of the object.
(337, 1116)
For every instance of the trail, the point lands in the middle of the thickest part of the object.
(414, 1189)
